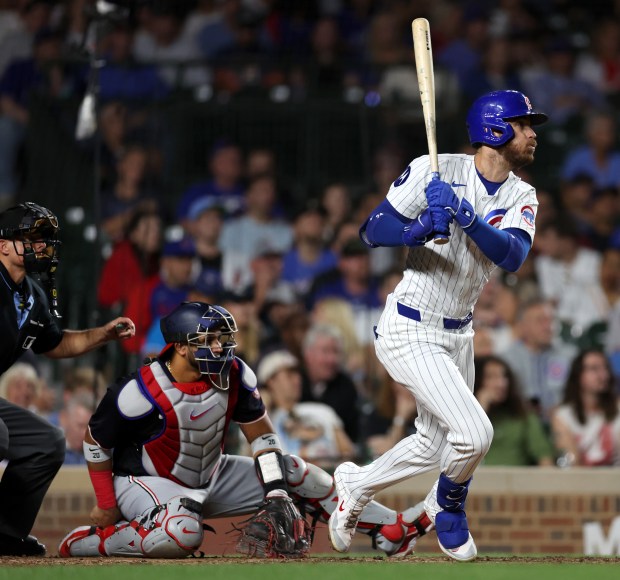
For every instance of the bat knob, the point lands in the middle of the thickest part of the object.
(440, 239)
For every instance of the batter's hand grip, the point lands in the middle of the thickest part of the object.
(439, 239)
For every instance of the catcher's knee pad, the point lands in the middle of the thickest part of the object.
(306, 480)
(121, 539)
(175, 531)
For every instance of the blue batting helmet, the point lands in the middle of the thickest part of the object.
(492, 111)
(197, 324)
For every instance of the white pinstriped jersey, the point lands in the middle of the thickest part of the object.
(447, 279)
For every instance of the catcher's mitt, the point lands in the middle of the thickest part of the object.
(276, 530)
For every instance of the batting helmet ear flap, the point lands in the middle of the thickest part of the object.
(505, 130)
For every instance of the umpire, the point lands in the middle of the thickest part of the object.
(33, 447)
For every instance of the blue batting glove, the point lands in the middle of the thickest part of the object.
(464, 214)
(419, 231)
(441, 218)
(440, 194)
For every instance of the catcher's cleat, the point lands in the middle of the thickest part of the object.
(343, 521)
(398, 540)
(454, 537)
(28, 546)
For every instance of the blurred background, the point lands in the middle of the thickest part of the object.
(229, 150)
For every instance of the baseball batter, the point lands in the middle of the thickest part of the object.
(424, 337)
(154, 452)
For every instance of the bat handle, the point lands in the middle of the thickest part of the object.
(439, 239)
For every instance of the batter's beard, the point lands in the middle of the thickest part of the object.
(516, 158)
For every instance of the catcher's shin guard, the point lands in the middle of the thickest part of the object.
(306, 480)
(173, 530)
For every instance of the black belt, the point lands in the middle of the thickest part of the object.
(448, 323)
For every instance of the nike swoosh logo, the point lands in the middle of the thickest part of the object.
(340, 507)
(459, 184)
(186, 531)
(93, 449)
(193, 417)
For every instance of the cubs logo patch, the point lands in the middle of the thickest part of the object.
(494, 218)
(527, 215)
(403, 177)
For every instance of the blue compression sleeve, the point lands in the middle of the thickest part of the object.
(384, 226)
(507, 248)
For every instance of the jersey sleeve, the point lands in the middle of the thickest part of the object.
(249, 406)
(522, 214)
(406, 194)
(108, 427)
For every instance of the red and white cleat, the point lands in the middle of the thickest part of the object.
(398, 540)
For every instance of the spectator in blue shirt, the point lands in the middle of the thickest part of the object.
(598, 158)
(557, 90)
(225, 182)
(122, 77)
(309, 257)
(353, 281)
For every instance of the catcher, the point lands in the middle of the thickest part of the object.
(154, 452)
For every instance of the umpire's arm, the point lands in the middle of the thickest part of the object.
(77, 342)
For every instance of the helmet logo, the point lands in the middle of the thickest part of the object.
(527, 102)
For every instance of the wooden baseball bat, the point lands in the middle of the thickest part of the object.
(423, 51)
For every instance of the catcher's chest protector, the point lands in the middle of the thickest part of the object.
(189, 448)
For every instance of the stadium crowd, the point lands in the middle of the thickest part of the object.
(305, 291)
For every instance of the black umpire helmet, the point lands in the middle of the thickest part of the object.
(30, 222)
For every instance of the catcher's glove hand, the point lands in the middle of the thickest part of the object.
(276, 530)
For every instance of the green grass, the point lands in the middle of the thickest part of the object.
(315, 569)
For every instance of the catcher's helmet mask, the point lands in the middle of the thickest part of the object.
(491, 113)
(36, 227)
(202, 326)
